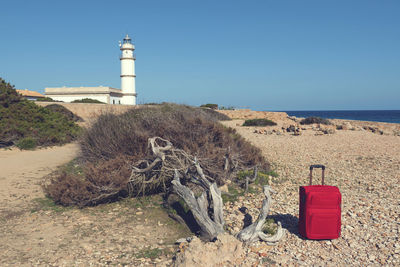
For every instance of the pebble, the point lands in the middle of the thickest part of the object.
(362, 165)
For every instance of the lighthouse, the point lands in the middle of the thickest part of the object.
(128, 76)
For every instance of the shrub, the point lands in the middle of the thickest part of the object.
(191, 129)
(21, 119)
(47, 99)
(26, 143)
(262, 177)
(88, 100)
(90, 184)
(116, 142)
(64, 111)
(312, 120)
(227, 108)
(212, 106)
(216, 115)
(259, 122)
(8, 94)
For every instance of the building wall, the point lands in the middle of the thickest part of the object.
(105, 98)
(115, 100)
(89, 112)
(31, 98)
(128, 100)
(103, 94)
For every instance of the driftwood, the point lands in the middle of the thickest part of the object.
(207, 209)
(254, 231)
(210, 228)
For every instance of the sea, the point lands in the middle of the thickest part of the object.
(391, 116)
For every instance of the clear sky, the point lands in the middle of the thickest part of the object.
(265, 55)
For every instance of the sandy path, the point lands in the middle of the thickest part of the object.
(34, 232)
(22, 171)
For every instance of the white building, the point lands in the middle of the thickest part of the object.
(109, 95)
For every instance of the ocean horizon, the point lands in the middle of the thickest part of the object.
(390, 116)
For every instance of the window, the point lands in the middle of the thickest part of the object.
(113, 101)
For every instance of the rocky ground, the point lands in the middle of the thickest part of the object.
(365, 165)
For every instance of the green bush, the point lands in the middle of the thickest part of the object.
(262, 176)
(259, 122)
(21, 119)
(312, 120)
(212, 106)
(270, 226)
(88, 100)
(64, 111)
(26, 143)
(227, 108)
(47, 99)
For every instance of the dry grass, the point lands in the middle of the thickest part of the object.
(115, 143)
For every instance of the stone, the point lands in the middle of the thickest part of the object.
(225, 251)
(347, 126)
(291, 129)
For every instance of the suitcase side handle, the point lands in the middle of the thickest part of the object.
(323, 172)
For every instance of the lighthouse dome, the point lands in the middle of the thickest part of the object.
(127, 43)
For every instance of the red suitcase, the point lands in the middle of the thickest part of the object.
(320, 209)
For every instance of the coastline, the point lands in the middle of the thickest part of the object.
(390, 116)
(284, 121)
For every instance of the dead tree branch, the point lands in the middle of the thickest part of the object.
(207, 209)
(254, 231)
(199, 207)
(251, 180)
(158, 171)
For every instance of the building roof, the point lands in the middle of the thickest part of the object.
(81, 90)
(29, 93)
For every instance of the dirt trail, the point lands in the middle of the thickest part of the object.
(36, 232)
(21, 173)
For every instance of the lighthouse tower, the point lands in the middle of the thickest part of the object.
(128, 76)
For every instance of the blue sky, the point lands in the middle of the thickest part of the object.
(265, 55)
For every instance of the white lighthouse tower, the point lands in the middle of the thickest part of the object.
(128, 76)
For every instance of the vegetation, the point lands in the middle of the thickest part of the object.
(27, 125)
(259, 122)
(46, 204)
(115, 143)
(312, 120)
(227, 108)
(262, 177)
(26, 143)
(234, 192)
(269, 227)
(212, 106)
(64, 111)
(149, 252)
(47, 99)
(88, 100)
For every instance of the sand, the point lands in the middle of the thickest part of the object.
(35, 232)
(23, 171)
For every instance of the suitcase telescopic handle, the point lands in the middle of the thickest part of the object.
(323, 172)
